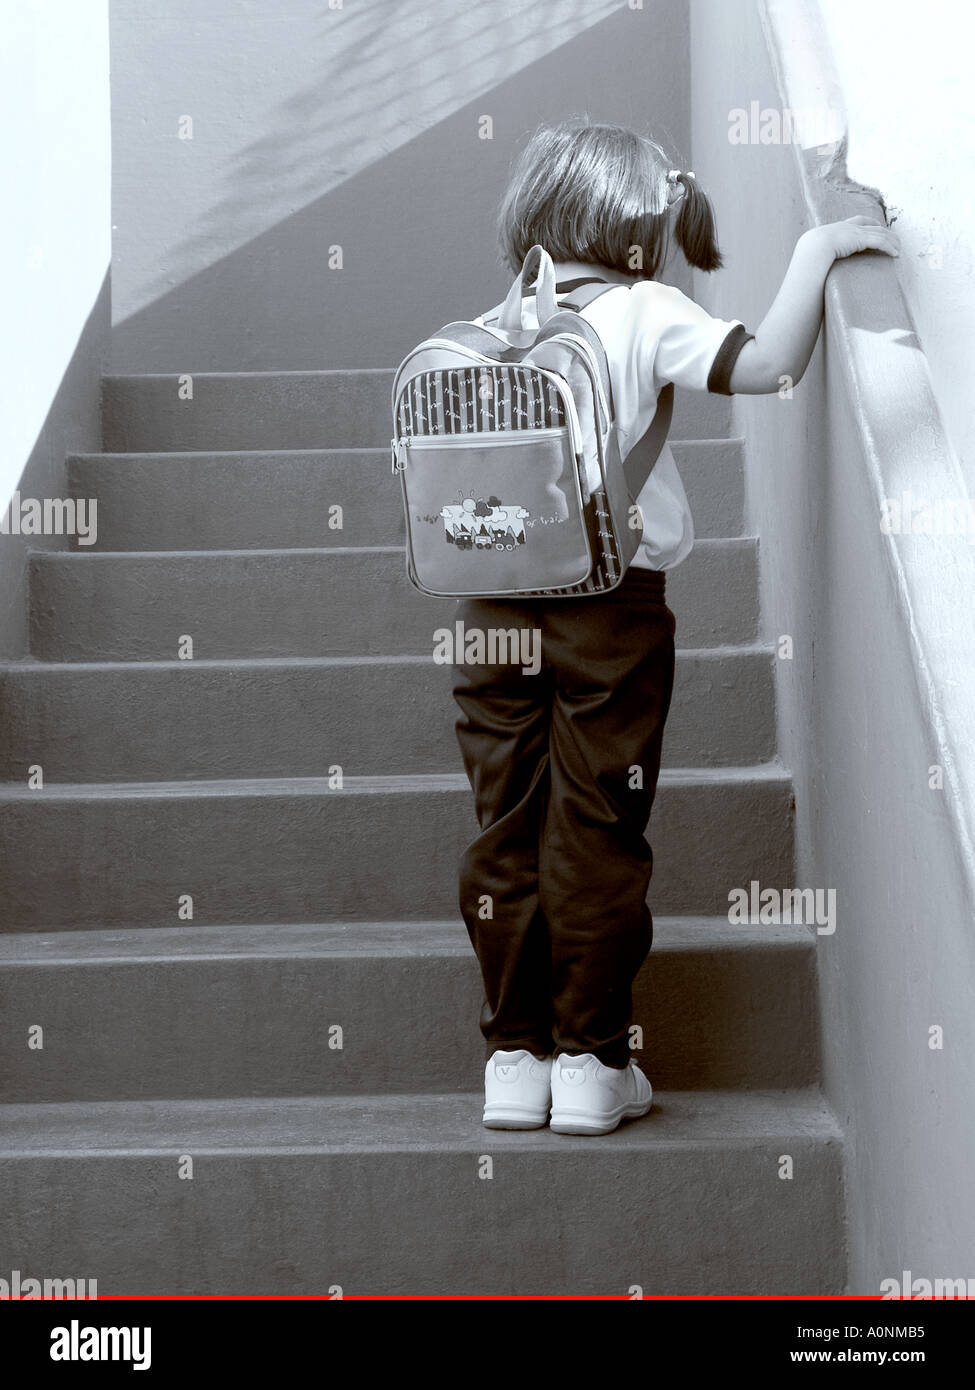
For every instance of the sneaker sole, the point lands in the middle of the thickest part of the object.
(578, 1122)
(496, 1117)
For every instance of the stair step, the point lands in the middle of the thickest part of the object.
(347, 1191)
(382, 848)
(340, 602)
(343, 409)
(189, 719)
(228, 1011)
(282, 499)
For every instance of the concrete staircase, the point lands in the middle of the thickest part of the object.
(318, 906)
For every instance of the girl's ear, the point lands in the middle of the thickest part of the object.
(695, 229)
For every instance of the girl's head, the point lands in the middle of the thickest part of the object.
(594, 192)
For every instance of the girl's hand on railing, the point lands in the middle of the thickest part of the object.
(855, 234)
(785, 338)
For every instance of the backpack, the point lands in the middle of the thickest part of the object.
(505, 446)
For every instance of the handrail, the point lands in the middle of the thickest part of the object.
(869, 323)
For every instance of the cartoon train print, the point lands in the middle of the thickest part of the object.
(476, 524)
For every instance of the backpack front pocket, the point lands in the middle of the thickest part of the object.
(497, 512)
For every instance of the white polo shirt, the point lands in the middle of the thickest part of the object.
(654, 334)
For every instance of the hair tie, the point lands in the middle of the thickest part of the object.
(674, 177)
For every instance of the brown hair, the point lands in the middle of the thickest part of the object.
(595, 192)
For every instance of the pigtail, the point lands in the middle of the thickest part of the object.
(695, 227)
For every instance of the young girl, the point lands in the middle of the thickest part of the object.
(561, 858)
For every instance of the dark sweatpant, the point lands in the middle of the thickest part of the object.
(564, 766)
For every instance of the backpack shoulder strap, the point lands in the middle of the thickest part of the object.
(584, 292)
(639, 462)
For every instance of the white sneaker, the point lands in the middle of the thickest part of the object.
(517, 1091)
(591, 1098)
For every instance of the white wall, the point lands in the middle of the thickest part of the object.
(55, 233)
(874, 692)
(906, 74)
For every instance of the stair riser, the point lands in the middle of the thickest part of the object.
(307, 603)
(689, 1219)
(713, 1019)
(99, 861)
(236, 502)
(306, 410)
(193, 720)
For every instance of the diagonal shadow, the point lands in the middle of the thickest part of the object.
(371, 78)
(416, 227)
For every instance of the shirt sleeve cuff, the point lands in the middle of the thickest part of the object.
(719, 377)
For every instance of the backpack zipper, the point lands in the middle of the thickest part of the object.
(482, 438)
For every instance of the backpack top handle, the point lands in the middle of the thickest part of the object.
(510, 319)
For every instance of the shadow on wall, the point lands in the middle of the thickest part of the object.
(367, 80)
(388, 167)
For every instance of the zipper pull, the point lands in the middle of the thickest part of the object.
(399, 450)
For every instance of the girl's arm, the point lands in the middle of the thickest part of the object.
(784, 342)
